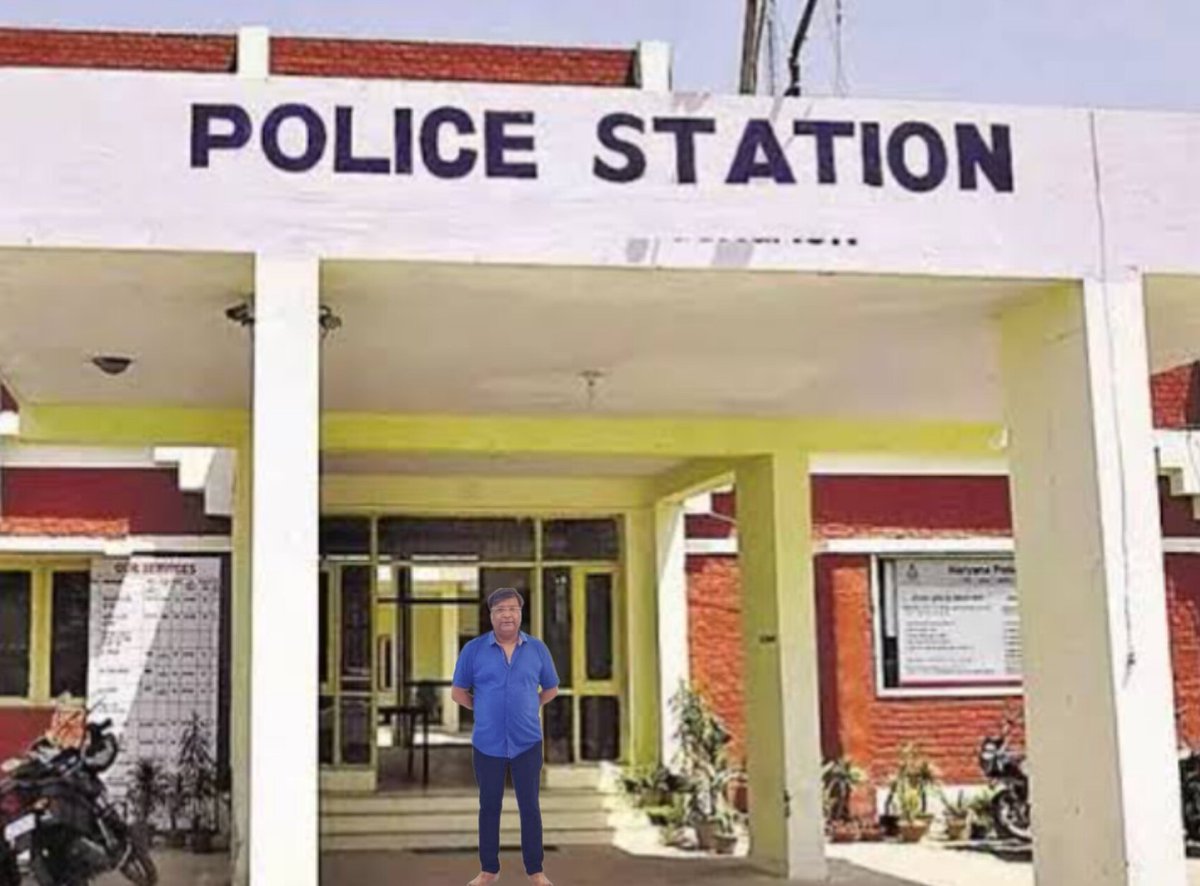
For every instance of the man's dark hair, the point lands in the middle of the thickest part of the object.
(501, 594)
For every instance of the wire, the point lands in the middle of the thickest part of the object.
(797, 44)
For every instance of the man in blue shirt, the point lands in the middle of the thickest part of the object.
(497, 676)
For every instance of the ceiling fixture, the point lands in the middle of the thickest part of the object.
(112, 364)
(591, 378)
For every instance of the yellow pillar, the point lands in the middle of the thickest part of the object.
(641, 660)
(239, 705)
(780, 637)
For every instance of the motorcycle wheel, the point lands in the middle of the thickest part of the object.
(138, 866)
(1191, 810)
(1011, 817)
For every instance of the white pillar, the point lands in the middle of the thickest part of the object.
(654, 66)
(783, 735)
(283, 721)
(673, 666)
(1104, 783)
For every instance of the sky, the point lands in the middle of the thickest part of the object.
(1102, 53)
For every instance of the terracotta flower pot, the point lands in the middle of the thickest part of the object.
(957, 829)
(844, 831)
(706, 835)
(913, 831)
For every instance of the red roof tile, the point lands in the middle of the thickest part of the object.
(59, 527)
(320, 57)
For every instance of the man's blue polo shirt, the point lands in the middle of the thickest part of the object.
(506, 692)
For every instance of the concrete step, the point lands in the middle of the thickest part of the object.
(599, 776)
(425, 804)
(445, 823)
(509, 840)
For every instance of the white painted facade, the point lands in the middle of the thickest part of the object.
(1093, 245)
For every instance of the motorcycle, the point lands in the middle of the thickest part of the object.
(1189, 787)
(56, 812)
(1005, 772)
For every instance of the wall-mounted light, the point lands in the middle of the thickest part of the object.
(243, 315)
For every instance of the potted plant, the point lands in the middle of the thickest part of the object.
(147, 793)
(650, 786)
(909, 791)
(704, 767)
(725, 839)
(839, 779)
(870, 830)
(957, 816)
(981, 815)
(175, 805)
(199, 781)
(914, 824)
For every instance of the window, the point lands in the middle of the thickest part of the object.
(947, 626)
(580, 540)
(16, 617)
(69, 633)
(44, 612)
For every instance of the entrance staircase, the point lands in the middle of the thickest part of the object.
(580, 806)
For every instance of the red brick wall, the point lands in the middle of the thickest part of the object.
(715, 640)
(1183, 610)
(19, 727)
(319, 57)
(214, 53)
(406, 60)
(855, 721)
(1173, 395)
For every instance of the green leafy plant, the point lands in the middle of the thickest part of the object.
(704, 765)
(650, 785)
(199, 781)
(839, 779)
(956, 808)
(910, 788)
(148, 791)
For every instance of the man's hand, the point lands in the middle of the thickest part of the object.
(462, 697)
(547, 695)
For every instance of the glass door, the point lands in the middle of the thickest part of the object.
(581, 627)
(346, 666)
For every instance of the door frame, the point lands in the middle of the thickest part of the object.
(336, 775)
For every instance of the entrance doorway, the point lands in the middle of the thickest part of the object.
(401, 595)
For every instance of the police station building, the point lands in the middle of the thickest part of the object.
(457, 335)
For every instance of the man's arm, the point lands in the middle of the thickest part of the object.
(462, 697)
(547, 695)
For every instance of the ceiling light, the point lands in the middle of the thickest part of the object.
(112, 364)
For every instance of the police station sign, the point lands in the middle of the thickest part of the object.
(450, 142)
(452, 172)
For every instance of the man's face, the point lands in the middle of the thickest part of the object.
(506, 617)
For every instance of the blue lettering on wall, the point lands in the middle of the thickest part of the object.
(451, 142)
(499, 141)
(685, 130)
(898, 160)
(759, 136)
(459, 165)
(205, 140)
(634, 156)
(343, 148)
(315, 138)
